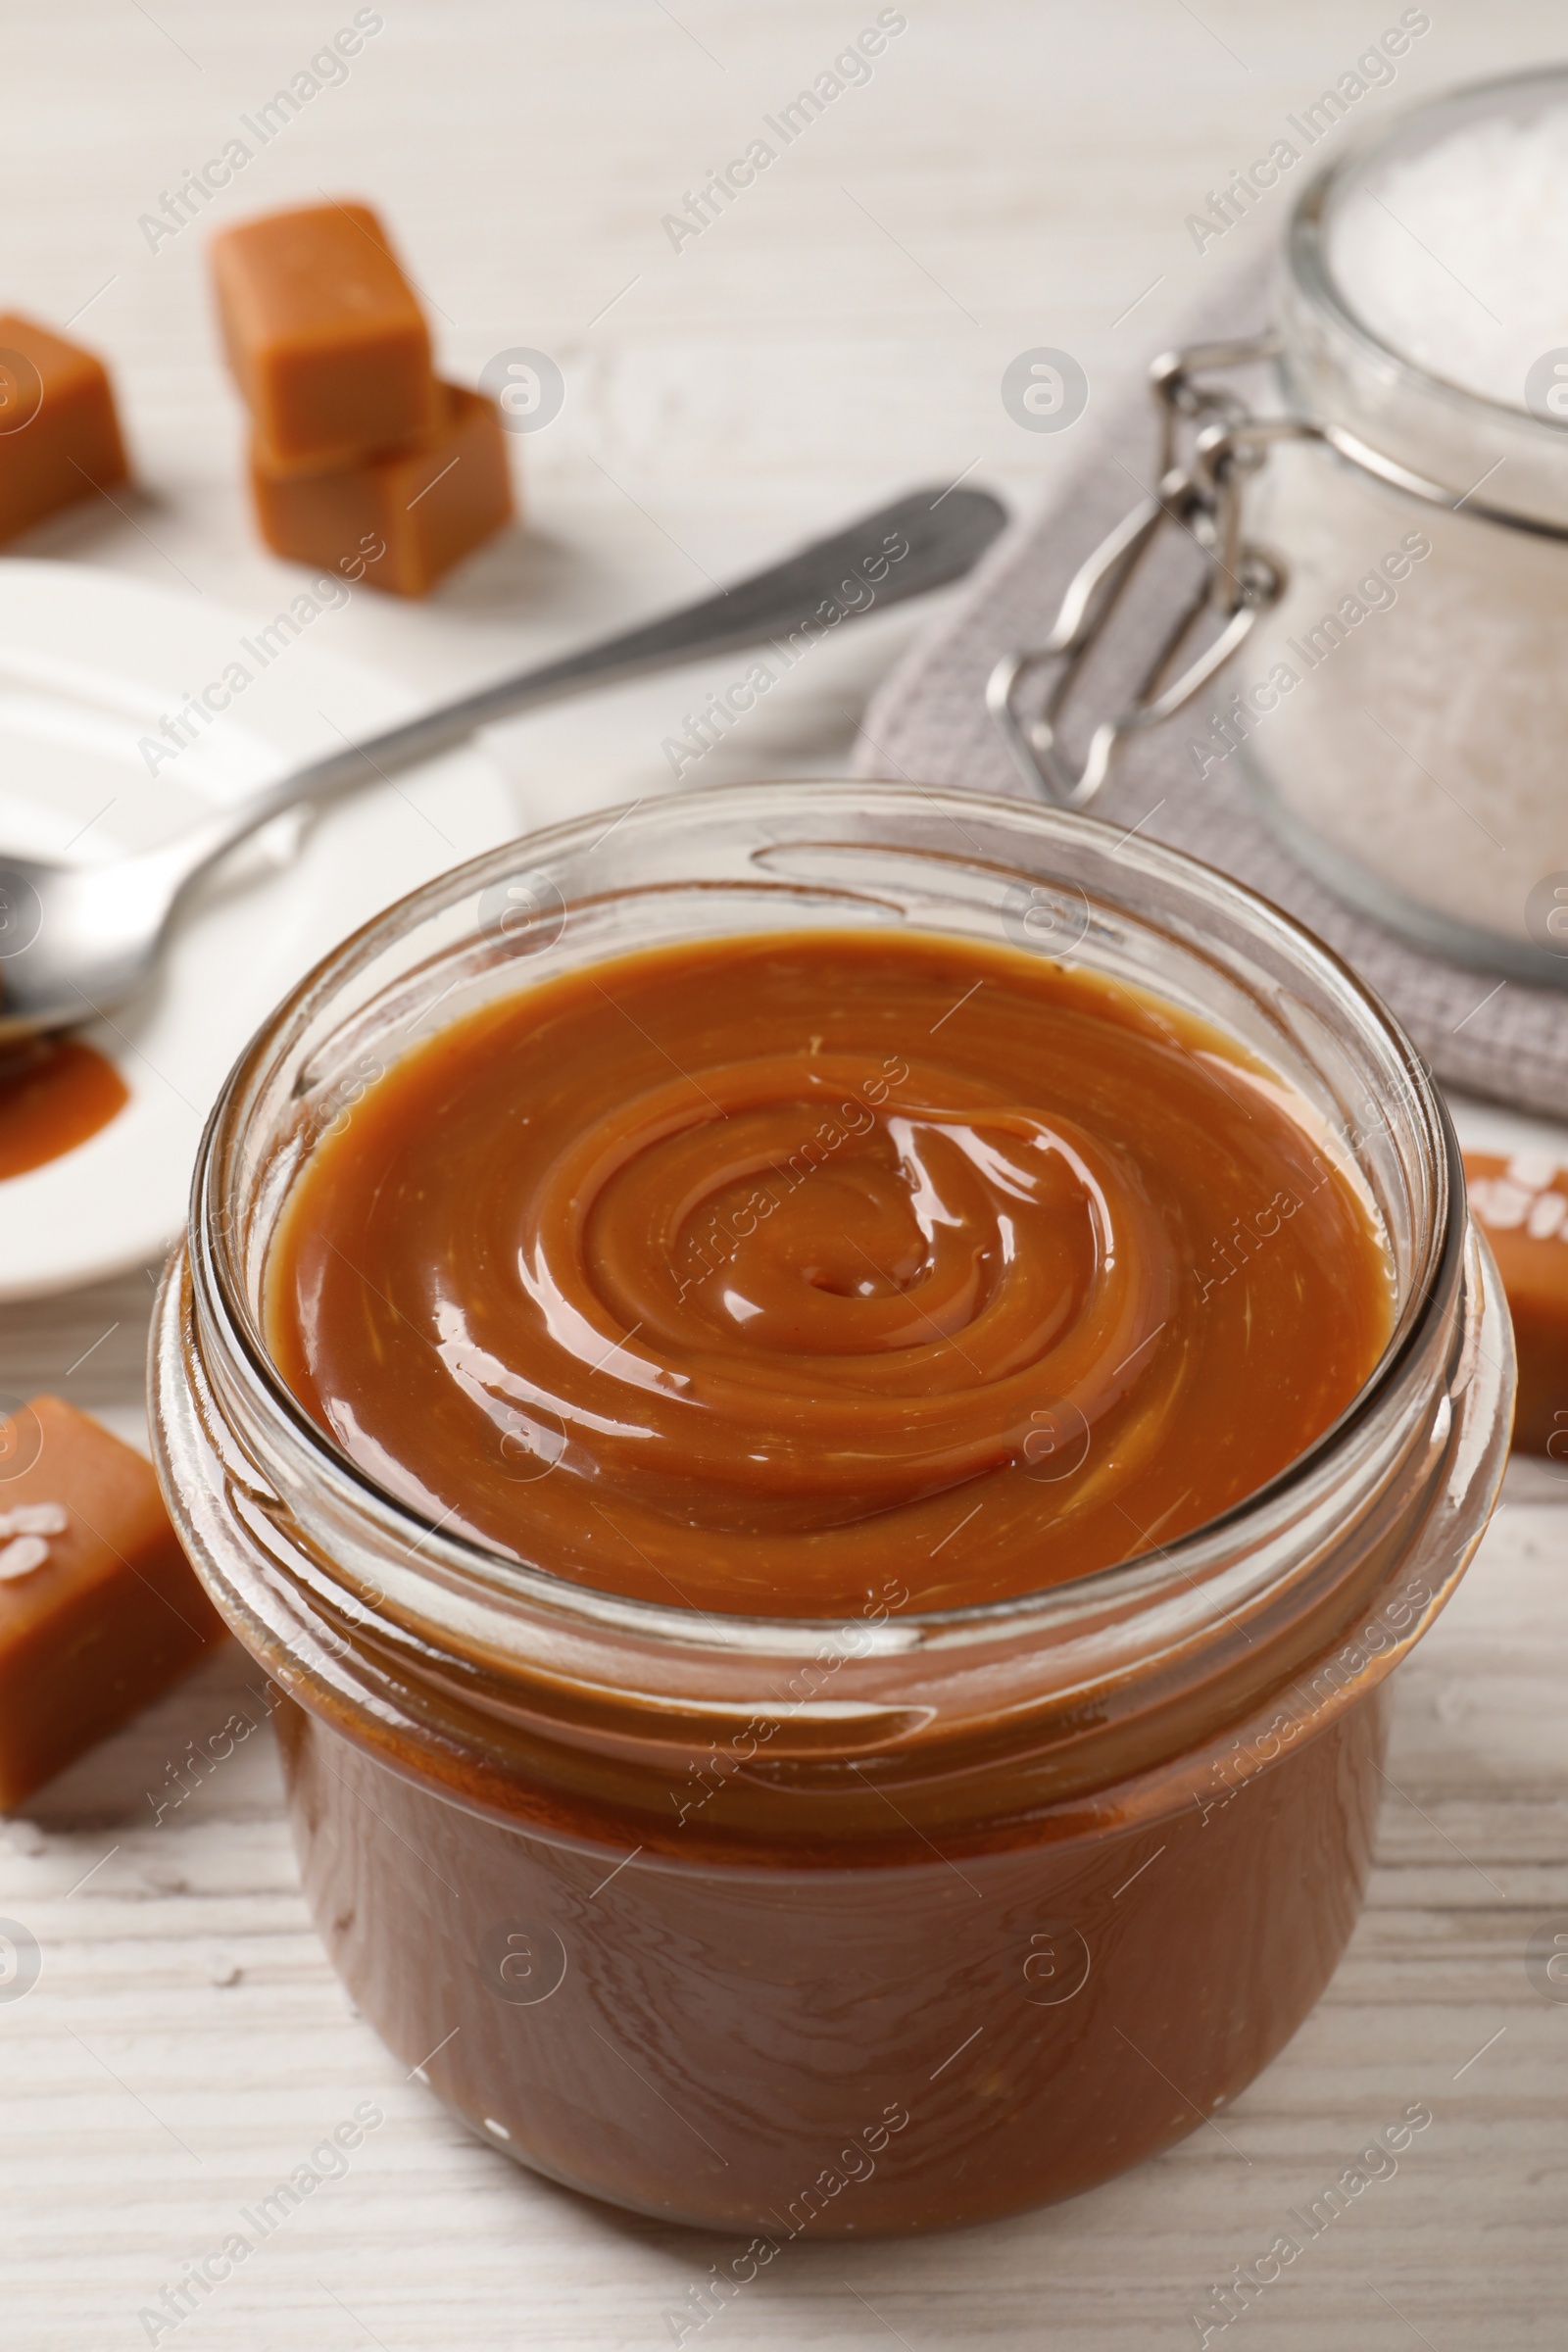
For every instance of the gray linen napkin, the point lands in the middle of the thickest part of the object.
(928, 720)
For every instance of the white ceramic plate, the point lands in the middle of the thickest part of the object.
(89, 664)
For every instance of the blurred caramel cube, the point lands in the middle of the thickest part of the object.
(99, 1607)
(399, 521)
(1521, 1204)
(324, 335)
(59, 434)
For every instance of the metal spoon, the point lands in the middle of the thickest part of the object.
(76, 940)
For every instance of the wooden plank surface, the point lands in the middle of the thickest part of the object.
(1013, 174)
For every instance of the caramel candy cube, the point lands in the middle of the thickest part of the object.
(398, 521)
(59, 434)
(324, 336)
(1521, 1206)
(99, 1607)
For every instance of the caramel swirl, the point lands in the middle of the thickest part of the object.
(773, 1275)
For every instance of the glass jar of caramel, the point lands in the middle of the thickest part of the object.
(920, 1908)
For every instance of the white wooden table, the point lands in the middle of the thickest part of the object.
(1014, 173)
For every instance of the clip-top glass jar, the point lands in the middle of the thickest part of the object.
(1390, 547)
(902, 1921)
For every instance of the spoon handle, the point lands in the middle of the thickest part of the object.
(921, 541)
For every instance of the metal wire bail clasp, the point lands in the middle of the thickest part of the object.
(1200, 493)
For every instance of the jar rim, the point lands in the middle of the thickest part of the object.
(1306, 253)
(214, 1272)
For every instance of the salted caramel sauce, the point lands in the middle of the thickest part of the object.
(53, 1094)
(751, 1273)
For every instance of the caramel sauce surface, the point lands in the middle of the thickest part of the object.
(757, 1273)
(53, 1094)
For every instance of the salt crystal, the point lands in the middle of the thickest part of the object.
(1534, 1170)
(35, 1519)
(1546, 1214)
(21, 1555)
(1500, 1204)
(28, 1525)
